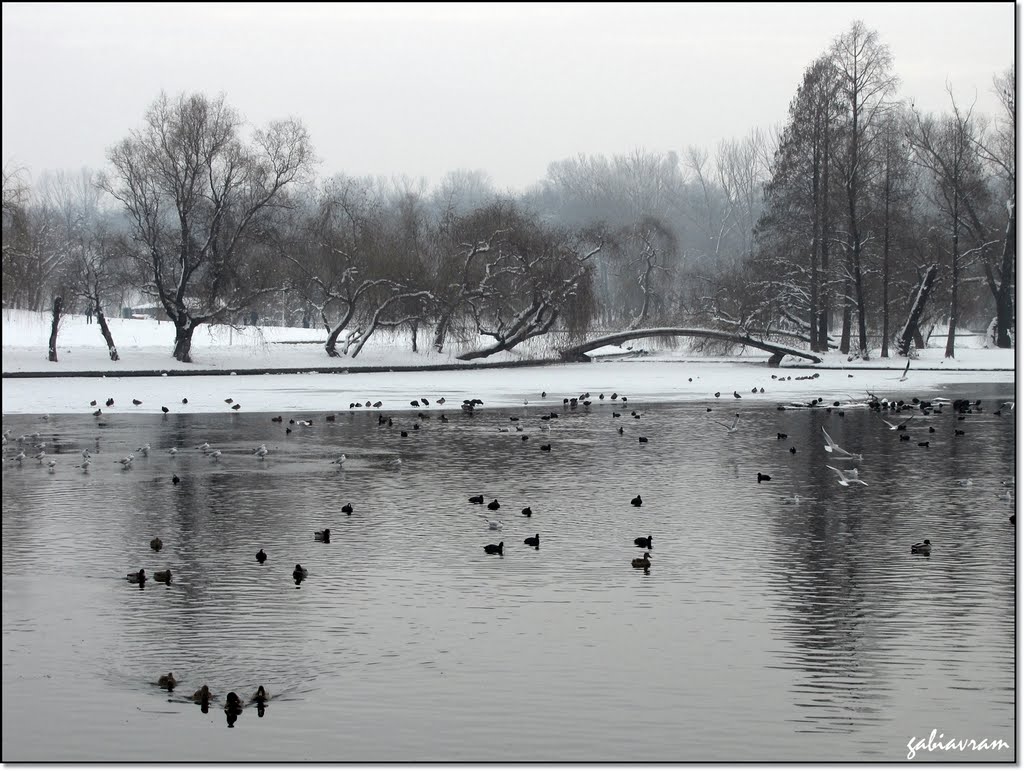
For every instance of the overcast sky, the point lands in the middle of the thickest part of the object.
(423, 89)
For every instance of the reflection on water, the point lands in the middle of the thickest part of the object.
(777, 620)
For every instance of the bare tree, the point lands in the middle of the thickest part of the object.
(947, 148)
(198, 199)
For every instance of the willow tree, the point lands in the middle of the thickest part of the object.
(199, 200)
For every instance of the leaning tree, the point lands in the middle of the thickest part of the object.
(200, 201)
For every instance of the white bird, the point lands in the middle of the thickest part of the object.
(494, 525)
(395, 462)
(340, 460)
(840, 453)
(126, 462)
(144, 450)
(964, 483)
(729, 429)
(85, 465)
(795, 499)
(173, 451)
(896, 426)
(215, 455)
(86, 454)
(53, 466)
(847, 476)
(39, 456)
(205, 447)
(261, 450)
(20, 457)
(1005, 496)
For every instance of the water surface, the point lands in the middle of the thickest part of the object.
(764, 630)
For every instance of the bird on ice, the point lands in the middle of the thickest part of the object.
(847, 476)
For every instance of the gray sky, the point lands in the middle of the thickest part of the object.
(424, 89)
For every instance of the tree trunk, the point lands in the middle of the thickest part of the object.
(844, 338)
(105, 330)
(183, 329)
(58, 307)
(954, 289)
(1004, 296)
(885, 274)
(911, 332)
(441, 331)
(414, 327)
(331, 346)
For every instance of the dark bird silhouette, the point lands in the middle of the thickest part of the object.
(236, 406)
(228, 400)
(404, 433)
(534, 541)
(718, 394)
(494, 505)
(637, 501)
(527, 512)
(92, 403)
(156, 544)
(347, 508)
(645, 543)
(414, 403)
(922, 444)
(110, 402)
(493, 548)
(136, 402)
(763, 478)
(621, 430)
(167, 681)
(782, 436)
(299, 573)
(261, 556)
(793, 450)
(331, 418)
(477, 499)
(184, 401)
(924, 547)
(164, 410)
(643, 440)
(737, 394)
(323, 535)
(137, 577)
(545, 448)
(278, 419)
(642, 562)
(97, 413)
(175, 480)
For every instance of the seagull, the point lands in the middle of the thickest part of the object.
(86, 454)
(215, 455)
(84, 465)
(173, 451)
(39, 456)
(204, 447)
(144, 450)
(795, 499)
(845, 477)
(964, 483)
(494, 525)
(52, 465)
(841, 454)
(729, 429)
(126, 462)
(21, 456)
(895, 426)
(339, 461)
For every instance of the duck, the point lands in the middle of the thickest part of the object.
(261, 694)
(137, 578)
(924, 547)
(498, 548)
(642, 562)
(527, 512)
(645, 543)
(347, 508)
(299, 573)
(175, 479)
(261, 556)
(167, 681)
(156, 544)
(534, 541)
(763, 478)
(162, 576)
(232, 703)
(494, 505)
(323, 535)
(637, 501)
(203, 695)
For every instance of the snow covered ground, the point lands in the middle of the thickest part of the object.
(662, 374)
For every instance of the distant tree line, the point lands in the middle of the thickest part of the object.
(856, 225)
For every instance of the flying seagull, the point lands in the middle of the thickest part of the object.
(839, 452)
(729, 429)
(845, 477)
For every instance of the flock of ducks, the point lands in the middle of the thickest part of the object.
(847, 476)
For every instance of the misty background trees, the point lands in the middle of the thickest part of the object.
(859, 223)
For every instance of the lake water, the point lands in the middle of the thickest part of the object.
(764, 629)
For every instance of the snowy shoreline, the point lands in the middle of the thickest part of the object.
(265, 377)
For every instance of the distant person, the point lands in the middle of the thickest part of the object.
(88, 314)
